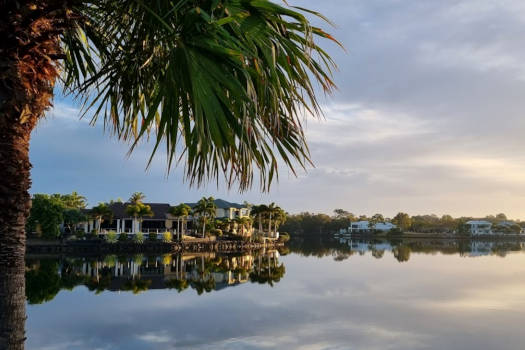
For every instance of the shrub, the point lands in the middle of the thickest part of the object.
(138, 238)
(123, 237)
(284, 237)
(167, 237)
(152, 236)
(216, 232)
(395, 231)
(111, 237)
(79, 234)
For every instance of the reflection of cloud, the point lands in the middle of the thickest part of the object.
(502, 297)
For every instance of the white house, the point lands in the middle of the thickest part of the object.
(364, 226)
(479, 227)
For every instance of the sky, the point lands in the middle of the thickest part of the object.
(427, 119)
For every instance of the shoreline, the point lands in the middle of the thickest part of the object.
(100, 247)
(500, 237)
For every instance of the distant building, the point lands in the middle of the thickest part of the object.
(364, 226)
(479, 227)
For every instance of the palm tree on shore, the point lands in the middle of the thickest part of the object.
(205, 208)
(139, 211)
(100, 213)
(259, 212)
(224, 81)
(181, 212)
(137, 197)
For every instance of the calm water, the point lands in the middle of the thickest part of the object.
(321, 295)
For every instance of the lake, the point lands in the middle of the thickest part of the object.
(318, 294)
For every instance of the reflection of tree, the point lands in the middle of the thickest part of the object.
(203, 285)
(401, 252)
(265, 273)
(178, 284)
(98, 285)
(378, 254)
(136, 285)
(43, 282)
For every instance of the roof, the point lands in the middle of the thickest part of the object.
(159, 210)
(478, 222)
(222, 204)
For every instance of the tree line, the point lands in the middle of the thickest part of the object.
(307, 223)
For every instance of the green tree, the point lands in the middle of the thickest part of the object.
(226, 82)
(100, 213)
(137, 197)
(139, 211)
(47, 213)
(205, 208)
(72, 217)
(73, 200)
(402, 220)
(374, 220)
(181, 212)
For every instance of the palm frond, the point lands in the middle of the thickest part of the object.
(222, 84)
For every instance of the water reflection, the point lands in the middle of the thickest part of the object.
(343, 248)
(333, 294)
(201, 272)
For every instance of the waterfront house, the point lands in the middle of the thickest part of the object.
(364, 226)
(161, 220)
(479, 227)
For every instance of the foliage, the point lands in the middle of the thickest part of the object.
(137, 197)
(139, 210)
(43, 283)
(216, 232)
(284, 237)
(47, 213)
(72, 200)
(72, 217)
(225, 82)
(136, 285)
(152, 236)
(123, 237)
(167, 237)
(138, 238)
(402, 221)
(111, 237)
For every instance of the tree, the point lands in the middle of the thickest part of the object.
(137, 197)
(375, 219)
(73, 200)
(72, 217)
(402, 220)
(100, 213)
(181, 212)
(226, 82)
(205, 208)
(138, 211)
(47, 213)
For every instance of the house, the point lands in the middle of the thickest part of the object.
(162, 220)
(364, 226)
(479, 227)
(227, 210)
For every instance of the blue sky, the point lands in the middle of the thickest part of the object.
(427, 119)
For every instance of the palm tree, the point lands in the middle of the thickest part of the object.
(100, 213)
(137, 197)
(138, 211)
(279, 218)
(181, 212)
(259, 211)
(225, 81)
(205, 208)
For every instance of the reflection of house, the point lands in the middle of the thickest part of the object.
(364, 226)
(479, 227)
